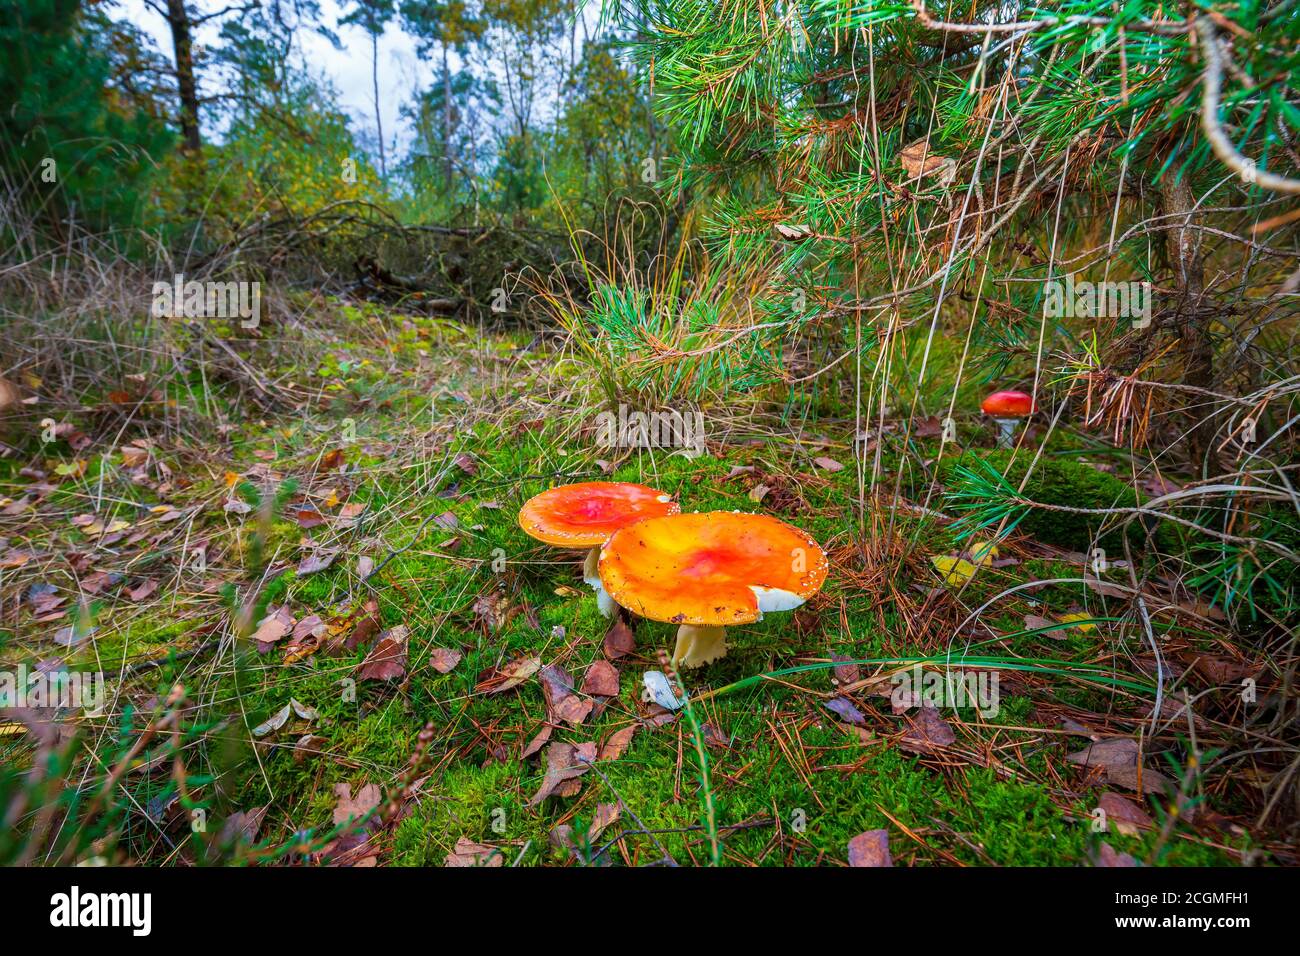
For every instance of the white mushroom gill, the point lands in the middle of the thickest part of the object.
(775, 599)
(591, 575)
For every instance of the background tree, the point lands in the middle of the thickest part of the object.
(451, 124)
(445, 26)
(183, 19)
(601, 138)
(76, 134)
(372, 16)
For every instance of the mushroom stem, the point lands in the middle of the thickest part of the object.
(1006, 431)
(591, 574)
(697, 646)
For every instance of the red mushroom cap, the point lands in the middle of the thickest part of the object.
(586, 514)
(712, 569)
(1008, 405)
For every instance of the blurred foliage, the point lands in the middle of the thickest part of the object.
(73, 137)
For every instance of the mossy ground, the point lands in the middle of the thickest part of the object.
(438, 421)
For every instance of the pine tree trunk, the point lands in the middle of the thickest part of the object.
(446, 122)
(1182, 244)
(374, 81)
(178, 20)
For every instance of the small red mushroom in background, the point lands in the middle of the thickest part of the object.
(1007, 409)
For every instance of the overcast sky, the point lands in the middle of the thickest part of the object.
(401, 71)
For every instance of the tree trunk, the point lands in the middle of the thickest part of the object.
(446, 122)
(178, 19)
(1192, 319)
(374, 82)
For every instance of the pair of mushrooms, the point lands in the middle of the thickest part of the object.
(703, 572)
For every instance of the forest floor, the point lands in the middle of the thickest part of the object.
(327, 581)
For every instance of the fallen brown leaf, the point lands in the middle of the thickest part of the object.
(1122, 813)
(308, 517)
(564, 764)
(562, 704)
(317, 561)
(601, 680)
(350, 809)
(469, 853)
(605, 816)
(242, 826)
(927, 732)
(620, 641)
(715, 738)
(492, 611)
(870, 849)
(1108, 856)
(143, 589)
(444, 659)
(309, 626)
(507, 676)
(617, 743)
(331, 460)
(538, 742)
(1117, 758)
(274, 626)
(927, 427)
(353, 848)
(387, 659)
(845, 673)
(308, 745)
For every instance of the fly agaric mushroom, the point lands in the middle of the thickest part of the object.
(708, 571)
(1007, 408)
(584, 515)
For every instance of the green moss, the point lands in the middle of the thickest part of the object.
(1061, 481)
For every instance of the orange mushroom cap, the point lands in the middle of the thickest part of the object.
(586, 514)
(713, 569)
(1008, 405)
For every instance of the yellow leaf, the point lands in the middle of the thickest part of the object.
(231, 479)
(983, 552)
(1078, 616)
(956, 571)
